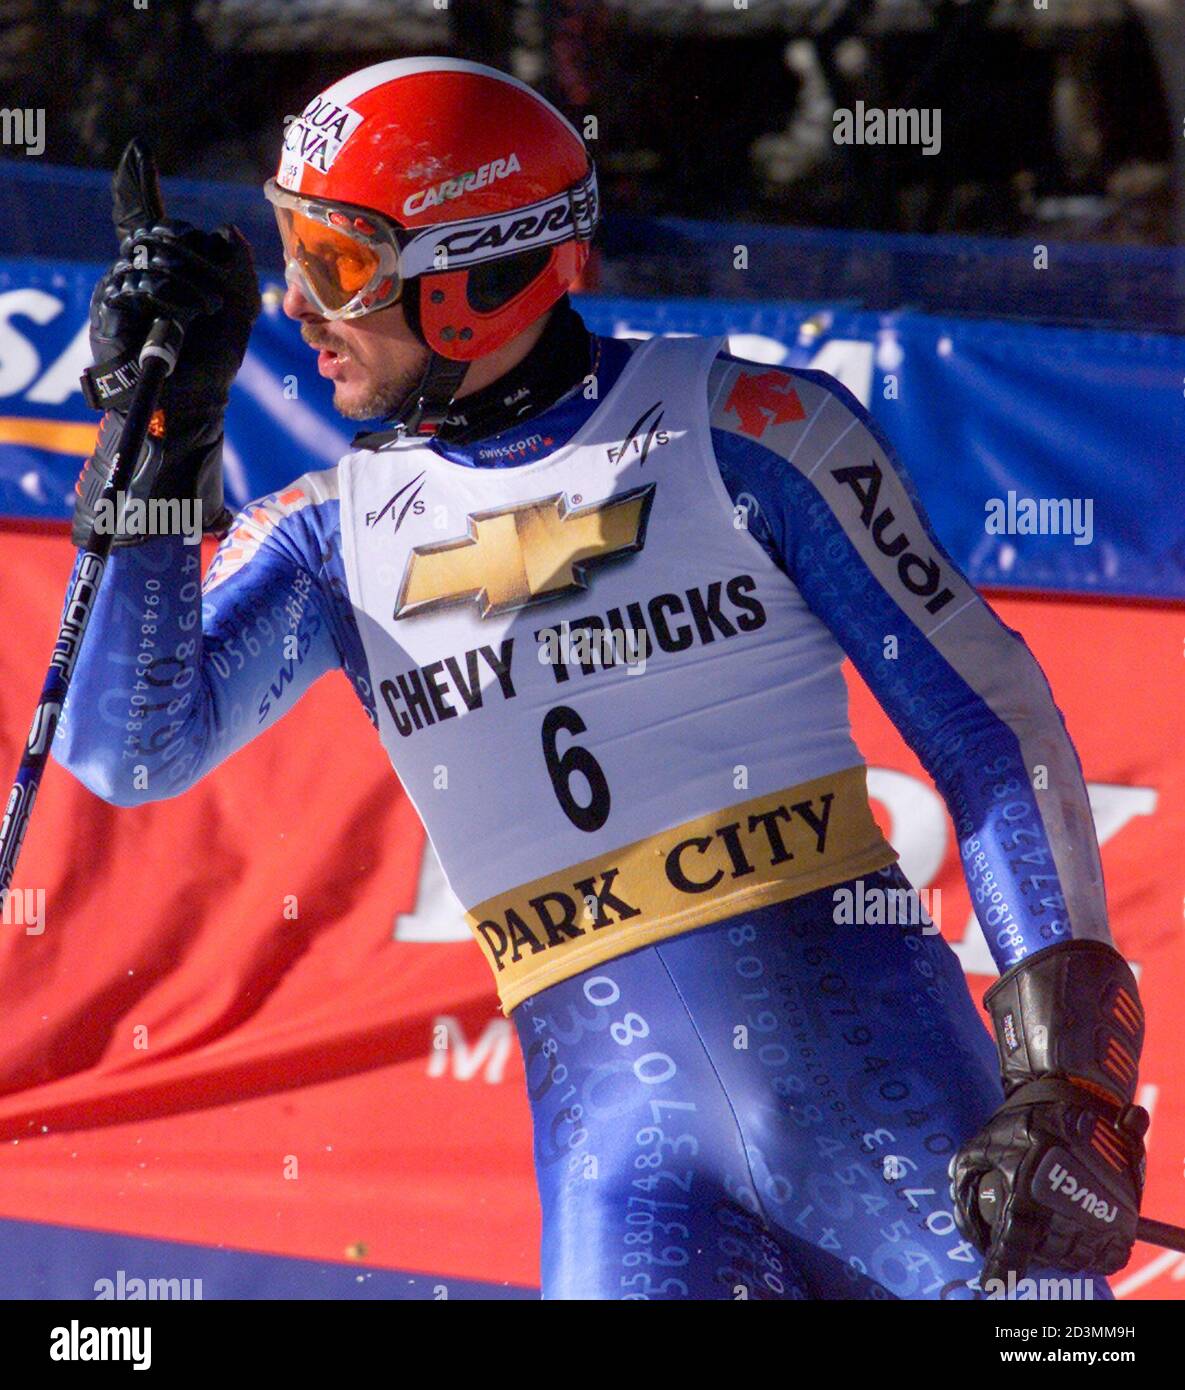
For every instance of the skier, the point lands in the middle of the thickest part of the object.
(609, 586)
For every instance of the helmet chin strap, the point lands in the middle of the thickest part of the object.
(563, 356)
(425, 406)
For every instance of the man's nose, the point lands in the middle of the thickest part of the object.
(297, 306)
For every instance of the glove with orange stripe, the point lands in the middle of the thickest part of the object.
(206, 282)
(1056, 1175)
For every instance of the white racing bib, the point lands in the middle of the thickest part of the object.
(616, 717)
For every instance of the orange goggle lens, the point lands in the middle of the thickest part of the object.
(335, 265)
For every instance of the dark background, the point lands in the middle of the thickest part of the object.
(1063, 123)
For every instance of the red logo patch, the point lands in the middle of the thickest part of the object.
(763, 398)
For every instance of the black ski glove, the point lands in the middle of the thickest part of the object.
(1056, 1175)
(205, 281)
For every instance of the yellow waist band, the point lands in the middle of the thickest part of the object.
(743, 857)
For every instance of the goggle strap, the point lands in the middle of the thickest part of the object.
(476, 240)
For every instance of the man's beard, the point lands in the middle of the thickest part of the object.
(380, 401)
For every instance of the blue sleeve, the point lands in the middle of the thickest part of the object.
(174, 676)
(829, 502)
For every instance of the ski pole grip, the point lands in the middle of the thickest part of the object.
(163, 341)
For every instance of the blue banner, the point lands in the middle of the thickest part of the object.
(1048, 457)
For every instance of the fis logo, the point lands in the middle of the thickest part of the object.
(397, 506)
(643, 433)
(524, 554)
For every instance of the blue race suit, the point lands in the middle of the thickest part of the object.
(761, 1107)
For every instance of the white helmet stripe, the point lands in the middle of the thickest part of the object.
(344, 91)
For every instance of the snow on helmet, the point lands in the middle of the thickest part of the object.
(442, 184)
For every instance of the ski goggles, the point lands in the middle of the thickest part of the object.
(346, 260)
(350, 260)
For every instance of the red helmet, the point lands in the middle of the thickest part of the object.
(441, 183)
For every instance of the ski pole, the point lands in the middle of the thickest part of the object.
(157, 359)
(1161, 1233)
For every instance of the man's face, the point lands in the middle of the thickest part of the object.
(373, 361)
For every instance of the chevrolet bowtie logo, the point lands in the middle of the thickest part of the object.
(524, 554)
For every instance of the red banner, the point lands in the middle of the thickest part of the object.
(247, 1017)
